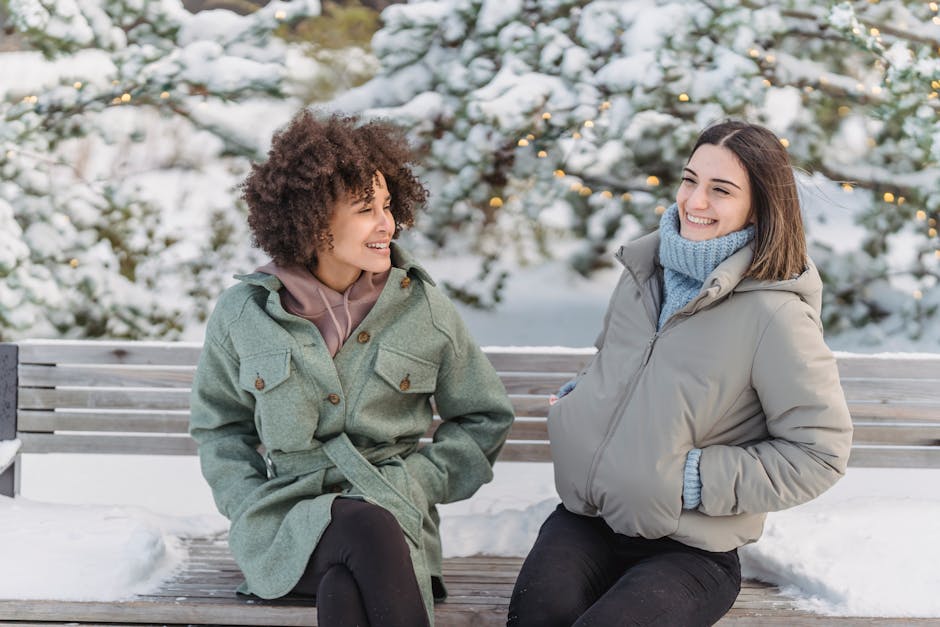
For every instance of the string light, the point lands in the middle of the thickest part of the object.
(936, 253)
(660, 210)
(770, 58)
(576, 135)
(844, 110)
(496, 202)
(73, 263)
(921, 215)
(607, 194)
(888, 196)
(918, 294)
(585, 191)
(530, 136)
(932, 232)
(604, 105)
(164, 95)
(559, 173)
(874, 32)
(933, 6)
(847, 188)
(785, 142)
(766, 83)
(901, 200)
(125, 97)
(77, 84)
(280, 15)
(523, 142)
(575, 186)
(753, 53)
(652, 181)
(626, 196)
(542, 154)
(589, 124)
(683, 97)
(546, 116)
(932, 222)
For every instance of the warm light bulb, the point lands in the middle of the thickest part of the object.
(660, 210)
(522, 142)
(888, 196)
(77, 84)
(559, 173)
(607, 194)
(589, 124)
(546, 116)
(921, 215)
(652, 181)
(164, 95)
(683, 97)
(496, 202)
(73, 263)
(280, 15)
(585, 191)
(785, 142)
(846, 187)
(542, 154)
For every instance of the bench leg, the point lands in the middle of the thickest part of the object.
(9, 359)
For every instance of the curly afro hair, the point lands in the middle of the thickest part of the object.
(313, 163)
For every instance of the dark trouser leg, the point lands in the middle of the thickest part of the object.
(365, 541)
(571, 565)
(674, 588)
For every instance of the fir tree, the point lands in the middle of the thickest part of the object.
(554, 120)
(83, 252)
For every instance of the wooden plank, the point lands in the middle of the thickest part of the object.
(874, 456)
(569, 362)
(898, 433)
(890, 390)
(9, 474)
(107, 444)
(897, 410)
(136, 422)
(922, 366)
(109, 352)
(106, 376)
(125, 398)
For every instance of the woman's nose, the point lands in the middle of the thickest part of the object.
(698, 198)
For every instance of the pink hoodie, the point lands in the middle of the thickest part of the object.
(335, 314)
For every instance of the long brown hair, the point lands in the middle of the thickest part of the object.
(780, 241)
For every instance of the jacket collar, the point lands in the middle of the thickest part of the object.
(401, 258)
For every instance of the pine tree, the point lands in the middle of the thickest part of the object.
(569, 120)
(83, 250)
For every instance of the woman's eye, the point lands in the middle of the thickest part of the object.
(686, 179)
(721, 190)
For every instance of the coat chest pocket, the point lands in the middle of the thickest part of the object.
(406, 373)
(395, 401)
(283, 414)
(261, 374)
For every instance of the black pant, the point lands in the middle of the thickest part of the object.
(361, 572)
(580, 572)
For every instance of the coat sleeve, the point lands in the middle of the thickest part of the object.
(222, 423)
(808, 423)
(476, 416)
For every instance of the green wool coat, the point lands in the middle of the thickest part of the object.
(283, 428)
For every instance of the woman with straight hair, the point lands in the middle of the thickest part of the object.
(711, 401)
(315, 381)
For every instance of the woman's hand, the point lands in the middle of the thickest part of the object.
(562, 391)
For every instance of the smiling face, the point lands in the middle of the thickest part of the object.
(714, 197)
(361, 233)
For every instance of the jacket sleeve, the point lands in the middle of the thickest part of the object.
(808, 423)
(222, 423)
(476, 416)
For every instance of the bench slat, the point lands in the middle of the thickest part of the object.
(875, 456)
(109, 352)
(106, 376)
(897, 367)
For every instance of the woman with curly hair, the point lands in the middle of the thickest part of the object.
(315, 381)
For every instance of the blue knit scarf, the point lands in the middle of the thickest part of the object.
(687, 264)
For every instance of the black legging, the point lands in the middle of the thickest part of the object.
(580, 572)
(361, 572)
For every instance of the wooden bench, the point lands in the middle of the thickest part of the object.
(133, 397)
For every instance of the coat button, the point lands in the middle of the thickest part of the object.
(259, 383)
(405, 384)
(364, 337)
(405, 282)
(333, 398)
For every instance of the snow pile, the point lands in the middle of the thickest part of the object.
(89, 553)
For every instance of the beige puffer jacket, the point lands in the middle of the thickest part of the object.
(740, 372)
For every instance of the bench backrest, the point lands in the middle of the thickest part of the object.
(133, 398)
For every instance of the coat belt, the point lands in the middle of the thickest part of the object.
(296, 463)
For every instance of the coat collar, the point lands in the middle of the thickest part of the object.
(401, 259)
